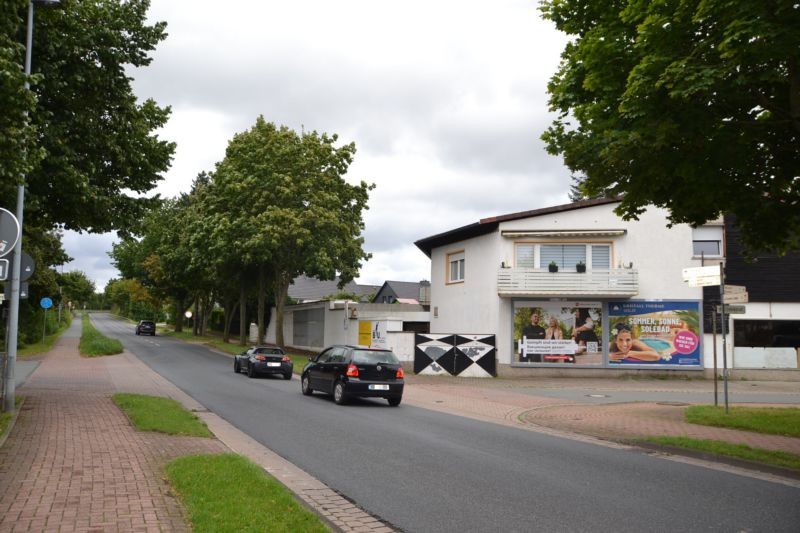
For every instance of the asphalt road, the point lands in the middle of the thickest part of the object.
(425, 471)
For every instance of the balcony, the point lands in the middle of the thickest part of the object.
(595, 283)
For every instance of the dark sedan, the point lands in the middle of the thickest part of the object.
(346, 371)
(260, 360)
(146, 327)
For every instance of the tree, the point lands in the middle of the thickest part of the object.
(76, 288)
(691, 105)
(97, 138)
(294, 212)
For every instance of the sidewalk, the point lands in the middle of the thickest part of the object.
(73, 462)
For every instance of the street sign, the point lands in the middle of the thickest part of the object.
(731, 289)
(46, 303)
(702, 276)
(736, 298)
(733, 309)
(4, 267)
(9, 232)
(23, 291)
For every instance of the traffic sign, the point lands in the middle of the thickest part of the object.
(46, 303)
(731, 289)
(9, 232)
(736, 298)
(702, 276)
(732, 309)
(26, 266)
(4, 267)
(23, 291)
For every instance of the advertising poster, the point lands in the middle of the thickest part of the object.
(654, 333)
(558, 332)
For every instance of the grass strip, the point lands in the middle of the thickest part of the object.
(229, 493)
(163, 415)
(93, 343)
(739, 451)
(5, 418)
(773, 420)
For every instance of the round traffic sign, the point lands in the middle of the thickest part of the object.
(9, 232)
(46, 303)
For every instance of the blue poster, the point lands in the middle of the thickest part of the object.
(655, 333)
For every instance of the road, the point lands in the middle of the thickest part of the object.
(425, 471)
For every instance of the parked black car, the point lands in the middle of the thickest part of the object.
(264, 360)
(146, 327)
(346, 371)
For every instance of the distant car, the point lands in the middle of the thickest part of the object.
(146, 327)
(264, 360)
(346, 371)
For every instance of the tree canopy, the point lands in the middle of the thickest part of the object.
(89, 153)
(691, 105)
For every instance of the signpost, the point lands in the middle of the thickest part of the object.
(702, 276)
(46, 303)
(732, 309)
(3, 269)
(9, 232)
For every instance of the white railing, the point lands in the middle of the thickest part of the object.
(617, 282)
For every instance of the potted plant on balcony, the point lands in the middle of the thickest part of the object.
(553, 266)
(580, 266)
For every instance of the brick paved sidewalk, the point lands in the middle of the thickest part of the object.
(73, 462)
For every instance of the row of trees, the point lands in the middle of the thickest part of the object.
(276, 207)
(78, 138)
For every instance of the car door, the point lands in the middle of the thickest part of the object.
(315, 371)
(332, 368)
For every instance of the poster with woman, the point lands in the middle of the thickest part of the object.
(655, 333)
(558, 332)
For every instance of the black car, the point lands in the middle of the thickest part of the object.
(146, 327)
(264, 360)
(346, 371)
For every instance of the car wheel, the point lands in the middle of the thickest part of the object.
(137, 331)
(236, 367)
(287, 376)
(339, 395)
(305, 385)
(394, 402)
(250, 372)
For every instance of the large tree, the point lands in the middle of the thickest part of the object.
(692, 105)
(94, 153)
(287, 209)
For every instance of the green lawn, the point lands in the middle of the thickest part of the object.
(5, 418)
(228, 493)
(772, 420)
(163, 415)
(94, 344)
(740, 451)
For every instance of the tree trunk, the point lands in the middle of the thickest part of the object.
(230, 307)
(242, 315)
(281, 291)
(208, 307)
(178, 315)
(195, 328)
(262, 296)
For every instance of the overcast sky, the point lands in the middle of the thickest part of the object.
(445, 101)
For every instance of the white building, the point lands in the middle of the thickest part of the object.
(493, 277)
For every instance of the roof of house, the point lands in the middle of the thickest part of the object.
(306, 289)
(404, 289)
(490, 224)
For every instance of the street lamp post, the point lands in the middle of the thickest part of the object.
(13, 312)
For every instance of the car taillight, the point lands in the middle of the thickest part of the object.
(352, 371)
(260, 358)
(400, 374)
(286, 358)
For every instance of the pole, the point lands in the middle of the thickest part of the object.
(714, 334)
(44, 326)
(13, 312)
(724, 341)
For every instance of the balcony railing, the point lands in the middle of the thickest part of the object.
(606, 283)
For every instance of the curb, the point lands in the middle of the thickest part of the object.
(12, 422)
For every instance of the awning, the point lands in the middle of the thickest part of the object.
(562, 234)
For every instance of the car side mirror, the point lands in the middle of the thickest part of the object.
(311, 358)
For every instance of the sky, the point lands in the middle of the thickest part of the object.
(445, 101)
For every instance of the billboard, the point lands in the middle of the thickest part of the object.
(558, 332)
(654, 333)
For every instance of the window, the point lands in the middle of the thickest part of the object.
(707, 241)
(566, 256)
(455, 267)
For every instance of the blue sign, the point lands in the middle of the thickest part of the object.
(46, 303)
(655, 333)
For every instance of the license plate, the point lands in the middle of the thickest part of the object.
(379, 387)
(273, 364)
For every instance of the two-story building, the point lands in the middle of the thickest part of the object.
(575, 286)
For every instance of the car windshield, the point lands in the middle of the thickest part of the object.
(146, 323)
(361, 357)
(274, 351)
